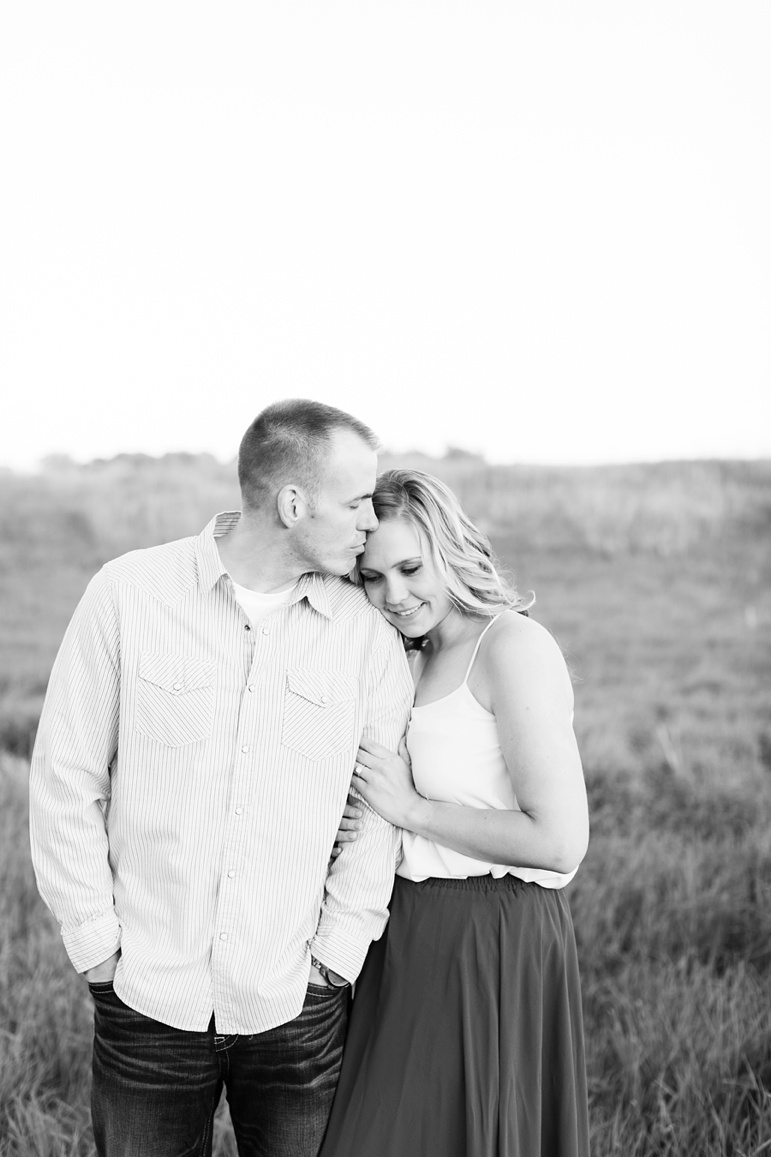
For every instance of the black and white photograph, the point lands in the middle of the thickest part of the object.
(385, 579)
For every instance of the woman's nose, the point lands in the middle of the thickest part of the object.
(395, 591)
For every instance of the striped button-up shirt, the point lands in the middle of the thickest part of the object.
(188, 780)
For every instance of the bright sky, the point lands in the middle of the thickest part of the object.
(539, 230)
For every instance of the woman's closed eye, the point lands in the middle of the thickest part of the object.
(407, 571)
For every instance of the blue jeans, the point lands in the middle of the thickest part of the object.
(155, 1089)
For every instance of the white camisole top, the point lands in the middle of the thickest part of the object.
(457, 758)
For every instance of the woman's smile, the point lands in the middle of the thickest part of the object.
(407, 612)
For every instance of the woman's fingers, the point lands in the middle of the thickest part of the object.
(370, 747)
(352, 810)
(350, 826)
(345, 835)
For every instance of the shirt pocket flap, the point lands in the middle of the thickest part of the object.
(176, 673)
(322, 687)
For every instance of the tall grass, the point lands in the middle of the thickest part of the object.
(44, 1009)
(673, 916)
(670, 650)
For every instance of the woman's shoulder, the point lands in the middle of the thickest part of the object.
(517, 646)
(514, 629)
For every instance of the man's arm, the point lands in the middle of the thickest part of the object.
(70, 781)
(360, 881)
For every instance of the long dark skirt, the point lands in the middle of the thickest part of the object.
(466, 1037)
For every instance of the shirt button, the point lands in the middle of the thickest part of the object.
(244, 749)
(266, 630)
(324, 699)
(247, 626)
(177, 686)
(239, 811)
(223, 935)
(250, 687)
(231, 874)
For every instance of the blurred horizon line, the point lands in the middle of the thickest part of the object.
(60, 460)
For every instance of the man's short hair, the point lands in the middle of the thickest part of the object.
(288, 443)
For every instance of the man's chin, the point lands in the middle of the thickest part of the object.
(343, 568)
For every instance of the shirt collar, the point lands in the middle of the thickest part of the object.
(311, 586)
(210, 567)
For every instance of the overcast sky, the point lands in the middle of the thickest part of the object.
(537, 230)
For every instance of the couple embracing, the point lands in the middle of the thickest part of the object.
(214, 702)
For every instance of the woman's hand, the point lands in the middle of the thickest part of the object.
(350, 826)
(384, 779)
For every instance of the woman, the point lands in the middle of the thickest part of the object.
(466, 1036)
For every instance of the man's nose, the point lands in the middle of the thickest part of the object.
(368, 518)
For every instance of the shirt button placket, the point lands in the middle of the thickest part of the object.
(245, 750)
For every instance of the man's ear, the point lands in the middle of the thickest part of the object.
(291, 505)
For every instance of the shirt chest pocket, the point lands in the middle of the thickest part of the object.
(175, 698)
(319, 712)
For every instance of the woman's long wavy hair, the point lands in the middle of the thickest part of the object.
(460, 551)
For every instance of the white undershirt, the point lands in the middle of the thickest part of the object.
(257, 605)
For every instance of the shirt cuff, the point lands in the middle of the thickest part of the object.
(93, 942)
(342, 954)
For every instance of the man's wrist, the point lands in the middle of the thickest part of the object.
(334, 979)
(103, 972)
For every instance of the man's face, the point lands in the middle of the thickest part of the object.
(332, 534)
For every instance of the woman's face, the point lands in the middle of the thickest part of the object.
(401, 580)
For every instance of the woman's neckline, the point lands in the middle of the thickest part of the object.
(455, 690)
(443, 698)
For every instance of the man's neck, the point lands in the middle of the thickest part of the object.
(255, 559)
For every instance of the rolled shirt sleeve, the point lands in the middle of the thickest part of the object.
(70, 780)
(360, 880)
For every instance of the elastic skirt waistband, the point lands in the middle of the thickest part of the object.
(487, 883)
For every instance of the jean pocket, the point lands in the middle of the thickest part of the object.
(319, 712)
(175, 698)
(100, 987)
(324, 991)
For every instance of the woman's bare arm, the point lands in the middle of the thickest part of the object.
(522, 672)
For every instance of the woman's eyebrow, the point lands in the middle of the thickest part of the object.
(402, 562)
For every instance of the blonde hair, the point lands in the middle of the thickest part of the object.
(460, 551)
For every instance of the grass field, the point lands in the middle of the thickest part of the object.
(666, 626)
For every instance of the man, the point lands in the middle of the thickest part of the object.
(192, 763)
